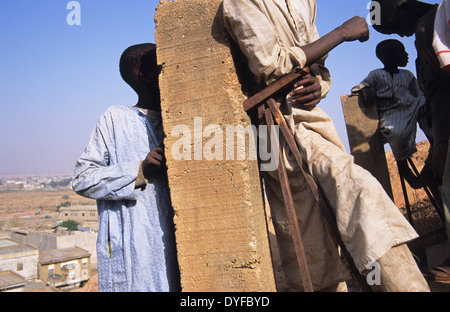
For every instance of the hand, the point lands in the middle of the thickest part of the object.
(368, 94)
(153, 162)
(309, 96)
(355, 28)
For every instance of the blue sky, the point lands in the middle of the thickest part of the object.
(56, 79)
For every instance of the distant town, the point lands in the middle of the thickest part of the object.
(48, 234)
(35, 182)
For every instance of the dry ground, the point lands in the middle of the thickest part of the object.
(19, 202)
(424, 214)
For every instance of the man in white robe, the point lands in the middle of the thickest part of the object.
(277, 36)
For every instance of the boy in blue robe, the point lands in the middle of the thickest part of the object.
(123, 168)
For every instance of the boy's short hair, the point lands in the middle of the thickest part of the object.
(388, 10)
(384, 48)
(133, 59)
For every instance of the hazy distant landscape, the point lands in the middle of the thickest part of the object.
(27, 195)
(43, 201)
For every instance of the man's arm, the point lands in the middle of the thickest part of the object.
(310, 95)
(95, 177)
(269, 61)
(367, 87)
(354, 29)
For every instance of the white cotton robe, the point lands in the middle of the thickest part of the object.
(270, 33)
(135, 245)
(399, 101)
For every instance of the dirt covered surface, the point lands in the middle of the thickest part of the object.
(425, 218)
(13, 204)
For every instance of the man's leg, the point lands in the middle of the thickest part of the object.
(369, 222)
(399, 272)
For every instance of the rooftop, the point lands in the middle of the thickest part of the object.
(6, 242)
(8, 246)
(62, 255)
(9, 279)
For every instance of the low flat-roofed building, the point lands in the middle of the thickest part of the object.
(19, 258)
(39, 286)
(48, 241)
(83, 213)
(11, 281)
(64, 267)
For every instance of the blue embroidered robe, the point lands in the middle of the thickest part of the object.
(135, 246)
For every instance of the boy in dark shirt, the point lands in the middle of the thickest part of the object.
(406, 18)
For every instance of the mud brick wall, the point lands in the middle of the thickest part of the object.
(221, 230)
(365, 138)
